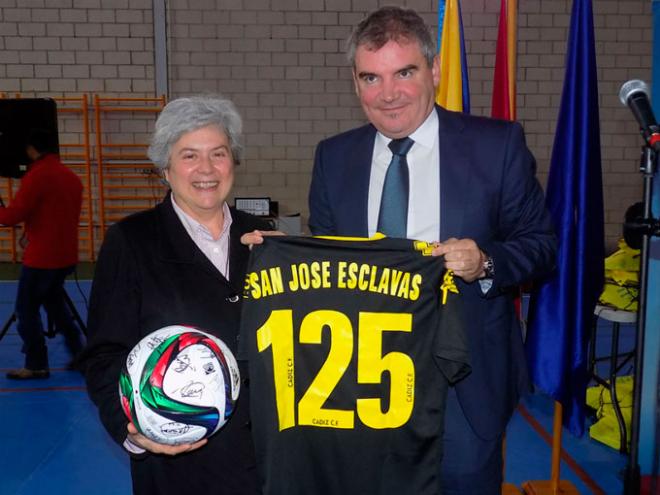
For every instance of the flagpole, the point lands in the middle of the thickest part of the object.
(504, 107)
(555, 485)
(556, 448)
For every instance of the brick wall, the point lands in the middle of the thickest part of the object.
(282, 62)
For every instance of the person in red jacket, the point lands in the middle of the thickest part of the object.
(48, 201)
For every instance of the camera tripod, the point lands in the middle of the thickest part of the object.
(50, 331)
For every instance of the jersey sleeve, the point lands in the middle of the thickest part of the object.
(450, 345)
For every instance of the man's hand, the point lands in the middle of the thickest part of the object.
(463, 256)
(158, 448)
(257, 236)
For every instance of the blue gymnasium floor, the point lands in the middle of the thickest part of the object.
(53, 443)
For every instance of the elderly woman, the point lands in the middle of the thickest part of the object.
(181, 262)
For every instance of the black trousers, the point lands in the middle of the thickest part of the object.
(39, 287)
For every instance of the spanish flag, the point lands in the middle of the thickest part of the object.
(504, 80)
(453, 92)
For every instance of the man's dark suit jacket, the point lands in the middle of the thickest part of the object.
(150, 274)
(489, 193)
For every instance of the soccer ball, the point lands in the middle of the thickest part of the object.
(179, 385)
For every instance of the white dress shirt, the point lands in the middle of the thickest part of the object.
(216, 250)
(424, 179)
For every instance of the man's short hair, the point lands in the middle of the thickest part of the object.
(391, 24)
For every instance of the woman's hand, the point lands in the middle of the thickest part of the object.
(143, 442)
(257, 236)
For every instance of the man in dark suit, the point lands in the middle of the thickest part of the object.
(470, 183)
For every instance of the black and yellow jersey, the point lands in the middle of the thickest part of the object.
(351, 346)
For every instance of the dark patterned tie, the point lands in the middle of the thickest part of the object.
(393, 215)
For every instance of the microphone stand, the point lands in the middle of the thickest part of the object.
(648, 226)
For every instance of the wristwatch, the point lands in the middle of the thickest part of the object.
(489, 267)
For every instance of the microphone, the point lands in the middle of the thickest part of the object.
(635, 94)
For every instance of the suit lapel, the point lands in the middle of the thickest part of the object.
(455, 173)
(358, 194)
(238, 256)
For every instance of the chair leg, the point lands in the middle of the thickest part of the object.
(615, 401)
(591, 363)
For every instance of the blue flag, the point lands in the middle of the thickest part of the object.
(561, 307)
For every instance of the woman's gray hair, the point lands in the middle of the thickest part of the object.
(391, 24)
(189, 114)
